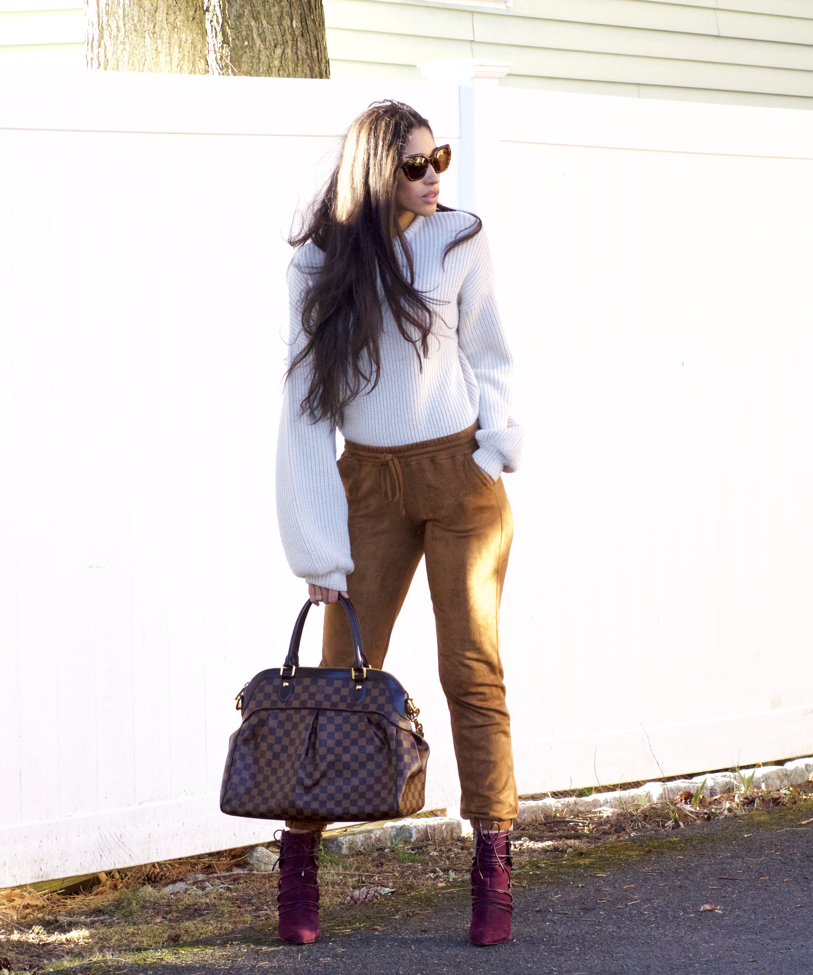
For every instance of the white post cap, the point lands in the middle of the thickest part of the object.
(462, 71)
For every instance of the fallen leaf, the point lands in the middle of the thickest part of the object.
(709, 907)
(16, 897)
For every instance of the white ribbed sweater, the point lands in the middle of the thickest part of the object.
(465, 377)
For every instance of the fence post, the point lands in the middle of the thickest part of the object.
(479, 175)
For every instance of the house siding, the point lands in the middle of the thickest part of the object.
(757, 52)
(50, 33)
(752, 52)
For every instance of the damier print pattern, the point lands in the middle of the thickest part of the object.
(320, 755)
(315, 689)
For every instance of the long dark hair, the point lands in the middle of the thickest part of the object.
(354, 223)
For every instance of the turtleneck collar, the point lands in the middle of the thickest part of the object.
(413, 228)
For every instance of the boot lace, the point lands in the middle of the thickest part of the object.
(492, 854)
(295, 850)
(486, 854)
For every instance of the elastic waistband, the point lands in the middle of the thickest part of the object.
(413, 449)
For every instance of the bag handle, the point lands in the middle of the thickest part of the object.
(360, 661)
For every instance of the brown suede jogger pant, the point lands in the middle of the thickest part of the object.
(431, 499)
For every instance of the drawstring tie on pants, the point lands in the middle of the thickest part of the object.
(391, 481)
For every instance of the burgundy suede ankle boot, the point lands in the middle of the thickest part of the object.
(298, 896)
(491, 888)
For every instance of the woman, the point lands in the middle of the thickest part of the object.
(396, 341)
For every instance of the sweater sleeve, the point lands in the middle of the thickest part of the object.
(311, 503)
(482, 341)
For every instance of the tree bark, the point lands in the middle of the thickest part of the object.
(167, 36)
(270, 38)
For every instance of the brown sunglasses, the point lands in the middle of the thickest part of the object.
(415, 167)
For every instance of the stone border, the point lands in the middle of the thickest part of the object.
(715, 783)
(439, 830)
(412, 832)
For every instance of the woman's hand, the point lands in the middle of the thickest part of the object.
(319, 594)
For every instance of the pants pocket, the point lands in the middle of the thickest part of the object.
(482, 476)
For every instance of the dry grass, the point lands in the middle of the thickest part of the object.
(131, 910)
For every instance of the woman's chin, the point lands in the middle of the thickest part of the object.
(424, 210)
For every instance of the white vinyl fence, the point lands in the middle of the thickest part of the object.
(654, 273)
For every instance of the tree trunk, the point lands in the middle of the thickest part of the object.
(271, 38)
(167, 36)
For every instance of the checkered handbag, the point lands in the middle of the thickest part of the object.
(325, 744)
